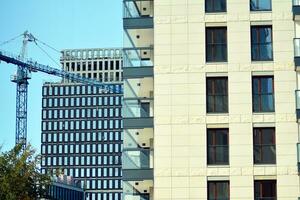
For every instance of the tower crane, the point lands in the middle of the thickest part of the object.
(24, 68)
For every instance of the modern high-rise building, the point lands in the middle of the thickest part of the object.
(209, 99)
(82, 124)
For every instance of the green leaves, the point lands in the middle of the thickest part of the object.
(19, 175)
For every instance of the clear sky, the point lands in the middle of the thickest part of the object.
(62, 24)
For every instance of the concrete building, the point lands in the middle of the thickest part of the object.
(82, 124)
(209, 99)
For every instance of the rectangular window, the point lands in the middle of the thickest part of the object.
(263, 94)
(216, 44)
(260, 5)
(218, 190)
(217, 147)
(265, 189)
(215, 6)
(261, 43)
(217, 95)
(264, 146)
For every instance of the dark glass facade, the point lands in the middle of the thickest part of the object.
(59, 191)
(82, 135)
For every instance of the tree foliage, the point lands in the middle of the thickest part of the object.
(20, 178)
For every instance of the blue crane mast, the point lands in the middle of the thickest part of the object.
(25, 67)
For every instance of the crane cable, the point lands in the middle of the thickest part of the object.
(47, 45)
(47, 54)
(12, 39)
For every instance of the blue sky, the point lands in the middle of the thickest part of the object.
(62, 24)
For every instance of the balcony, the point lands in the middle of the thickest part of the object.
(296, 8)
(138, 62)
(298, 156)
(298, 104)
(297, 52)
(137, 113)
(136, 138)
(140, 88)
(137, 164)
(138, 14)
(137, 190)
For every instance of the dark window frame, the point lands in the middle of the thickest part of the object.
(259, 189)
(214, 146)
(258, 132)
(213, 184)
(257, 29)
(258, 9)
(211, 47)
(260, 94)
(214, 9)
(214, 94)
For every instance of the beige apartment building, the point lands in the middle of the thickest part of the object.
(210, 99)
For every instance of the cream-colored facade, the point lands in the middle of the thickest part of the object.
(180, 169)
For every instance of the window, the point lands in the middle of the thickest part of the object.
(261, 43)
(263, 94)
(217, 147)
(265, 189)
(260, 5)
(217, 95)
(216, 44)
(218, 190)
(264, 146)
(215, 5)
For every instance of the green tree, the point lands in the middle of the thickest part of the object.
(20, 178)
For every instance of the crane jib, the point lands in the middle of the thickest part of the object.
(34, 67)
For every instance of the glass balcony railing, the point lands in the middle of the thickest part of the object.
(138, 57)
(136, 108)
(137, 158)
(298, 103)
(296, 2)
(297, 51)
(131, 193)
(296, 9)
(138, 8)
(297, 47)
(135, 138)
(138, 88)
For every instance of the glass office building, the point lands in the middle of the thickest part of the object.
(82, 128)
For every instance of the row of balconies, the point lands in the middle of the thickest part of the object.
(296, 12)
(138, 104)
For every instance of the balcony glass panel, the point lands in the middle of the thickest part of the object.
(137, 159)
(296, 2)
(135, 138)
(131, 193)
(138, 88)
(138, 57)
(297, 99)
(136, 8)
(135, 108)
(297, 46)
